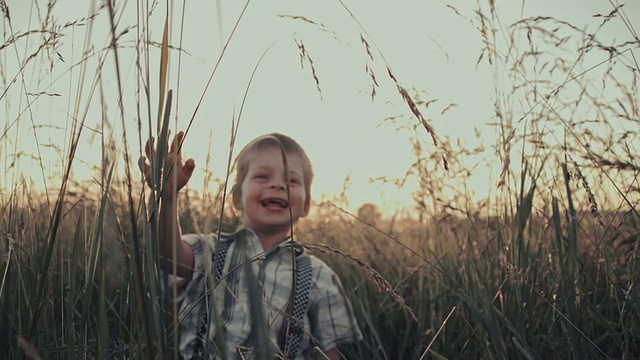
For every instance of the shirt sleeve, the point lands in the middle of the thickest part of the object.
(197, 244)
(190, 291)
(331, 316)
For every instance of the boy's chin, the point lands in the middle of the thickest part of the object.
(280, 225)
(280, 216)
(272, 229)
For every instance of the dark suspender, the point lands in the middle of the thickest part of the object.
(219, 258)
(288, 341)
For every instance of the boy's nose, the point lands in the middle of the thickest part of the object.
(278, 183)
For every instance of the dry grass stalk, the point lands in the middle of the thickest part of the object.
(426, 351)
(618, 164)
(5, 9)
(403, 92)
(304, 55)
(593, 205)
(369, 68)
(376, 279)
(414, 108)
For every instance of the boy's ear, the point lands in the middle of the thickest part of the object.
(236, 197)
(307, 205)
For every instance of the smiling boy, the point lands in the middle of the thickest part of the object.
(271, 192)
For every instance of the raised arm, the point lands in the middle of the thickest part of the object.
(169, 232)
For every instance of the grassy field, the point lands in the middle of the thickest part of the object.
(546, 266)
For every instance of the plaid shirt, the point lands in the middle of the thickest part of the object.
(329, 319)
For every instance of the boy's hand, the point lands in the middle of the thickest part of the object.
(183, 171)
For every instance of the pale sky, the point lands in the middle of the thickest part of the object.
(426, 44)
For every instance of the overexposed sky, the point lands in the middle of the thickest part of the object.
(431, 46)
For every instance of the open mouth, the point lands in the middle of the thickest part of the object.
(275, 203)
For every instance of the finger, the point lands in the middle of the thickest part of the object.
(173, 145)
(145, 169)
(166, 140)
(180, 138)
(141, 163)
(188, 168)
(148, 148)
(176, 145)
(147, 174)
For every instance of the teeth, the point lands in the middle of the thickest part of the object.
(275, 201)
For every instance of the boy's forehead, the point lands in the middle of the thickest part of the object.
(272, 153)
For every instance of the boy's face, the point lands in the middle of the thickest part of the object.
(265, 207)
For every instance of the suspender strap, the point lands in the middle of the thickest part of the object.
(289, 343)
(220, 257)
(218, 262)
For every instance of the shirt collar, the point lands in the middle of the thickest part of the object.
(256, 246)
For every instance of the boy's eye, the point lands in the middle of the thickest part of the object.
(261, 176)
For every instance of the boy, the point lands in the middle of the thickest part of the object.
(270, 200)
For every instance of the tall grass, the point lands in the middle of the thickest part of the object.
(547, 266)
